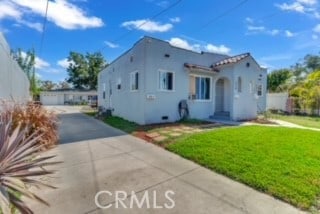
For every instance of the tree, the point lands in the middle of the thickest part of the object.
(278, 80)
(63, 85)
(308, 92)
(47, 85)
(83, 69)
(26, 61)
(312, 62)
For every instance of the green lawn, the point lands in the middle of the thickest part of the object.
(283, 162)
(313, 122)
(122, 124)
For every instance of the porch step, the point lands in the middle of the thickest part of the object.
(223, 115)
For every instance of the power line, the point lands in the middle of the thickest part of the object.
(223, 14)
(44, 27)
(142, 24)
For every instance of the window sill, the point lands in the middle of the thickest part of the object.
(161, 90)
(134, 91)
(202, 101)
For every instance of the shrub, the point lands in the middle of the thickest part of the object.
(37, 118)
(20, 162)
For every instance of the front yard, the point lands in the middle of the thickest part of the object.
(312, 122)
(282, 162)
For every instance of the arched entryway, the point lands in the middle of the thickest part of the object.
(222, 98)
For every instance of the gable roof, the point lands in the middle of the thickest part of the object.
(233, 59)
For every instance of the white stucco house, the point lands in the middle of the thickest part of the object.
(68, 97)
(147, 83)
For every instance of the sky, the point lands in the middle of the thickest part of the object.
(278, 33)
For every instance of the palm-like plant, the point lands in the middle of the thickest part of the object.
(20, 162)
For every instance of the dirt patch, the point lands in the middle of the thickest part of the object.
(161, 134)
(170, 125)
(263, 121)
(142, 135)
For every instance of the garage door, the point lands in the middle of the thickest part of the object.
(49, 99)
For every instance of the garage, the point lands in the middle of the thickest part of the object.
(49, 99)
(68, 97)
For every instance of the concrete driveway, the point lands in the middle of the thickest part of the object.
(98, 157)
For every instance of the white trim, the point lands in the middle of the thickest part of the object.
(173, 81)
(210, 89)
(261, 85)
(130, 80)
(239, 85)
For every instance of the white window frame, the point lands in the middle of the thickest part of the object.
(260, 86)
(239, 84)
(160, 71)
(210, 88)
(132, 78)
(104, 91)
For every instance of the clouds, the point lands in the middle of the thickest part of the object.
(63, 63)
(181, 43)
(316, 32)
(150, 26)
(289, 33)
(39, 63)
(175, 20)
(308, 7)
(62, 13)
(111, 45)
(8, 10)
(295, 6)
(254, 29)
(147, 26)
(217, 49)
(317, 28)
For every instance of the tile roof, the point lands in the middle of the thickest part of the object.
(200, 67)
(233, 59)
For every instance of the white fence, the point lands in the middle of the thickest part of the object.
(14, 84)
(277, 101)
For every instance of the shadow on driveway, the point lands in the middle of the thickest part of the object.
(75, 127)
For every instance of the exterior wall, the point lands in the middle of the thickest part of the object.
(124, 102)
(166, 102)
(277, 101)
(150, 105)
(247, 103)
(14, 84)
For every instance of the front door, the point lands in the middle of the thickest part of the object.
(219, 106)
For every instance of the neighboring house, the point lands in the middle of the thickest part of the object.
(146, 84)
(68, 96)
(14, 84)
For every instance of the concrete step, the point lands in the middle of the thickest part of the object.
(219, 117)
(222, 113)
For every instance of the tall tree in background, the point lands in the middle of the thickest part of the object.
(278, 80)
(47, 85)
(63, 85)
(27, 61)
(83, 69)
(312, 62)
